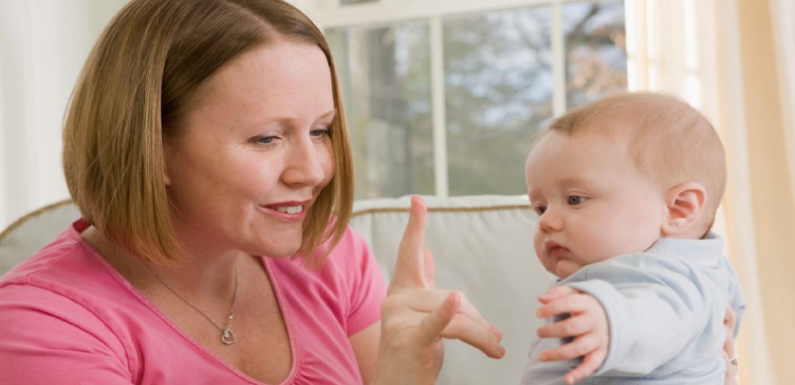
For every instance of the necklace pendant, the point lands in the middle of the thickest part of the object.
(228, 336)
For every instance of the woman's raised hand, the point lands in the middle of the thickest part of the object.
(415, 317)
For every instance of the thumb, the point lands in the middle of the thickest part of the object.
(433, 324)
(410, 264)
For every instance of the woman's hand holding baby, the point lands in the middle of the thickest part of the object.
(587, 324)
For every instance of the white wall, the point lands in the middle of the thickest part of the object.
(43, 45)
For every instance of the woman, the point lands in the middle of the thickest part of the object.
(207, 149)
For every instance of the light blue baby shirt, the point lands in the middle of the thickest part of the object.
(665, 309)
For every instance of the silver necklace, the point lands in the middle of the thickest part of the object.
(227, 335)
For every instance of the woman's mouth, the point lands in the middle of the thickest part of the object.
(290, 211)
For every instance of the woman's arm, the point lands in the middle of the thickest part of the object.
(365, 346)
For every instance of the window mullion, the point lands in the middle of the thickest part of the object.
(558, 61)
(438, 107)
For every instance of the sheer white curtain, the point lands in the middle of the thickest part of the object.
(717, 55)
(43, 45)
(783, 17)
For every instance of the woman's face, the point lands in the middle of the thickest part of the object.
(253, 152)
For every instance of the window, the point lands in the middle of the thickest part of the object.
(445, 99)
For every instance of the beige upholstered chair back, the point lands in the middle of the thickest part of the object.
(29, 233)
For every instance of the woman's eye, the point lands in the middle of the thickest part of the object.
(540, 209)
(576, 200)
(265, 139)
(321, 132)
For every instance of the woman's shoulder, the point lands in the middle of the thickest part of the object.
(55, 301)
(67, 264)
(65, 282)
(352, 248)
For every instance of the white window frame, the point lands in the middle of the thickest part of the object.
(331, 14)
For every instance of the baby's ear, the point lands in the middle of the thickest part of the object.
(684, 209)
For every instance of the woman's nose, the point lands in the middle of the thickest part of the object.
(306, 163)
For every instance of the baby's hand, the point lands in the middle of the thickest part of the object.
(587, 324)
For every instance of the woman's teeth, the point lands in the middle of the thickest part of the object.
(290, 209)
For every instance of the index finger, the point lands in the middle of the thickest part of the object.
(410, 264)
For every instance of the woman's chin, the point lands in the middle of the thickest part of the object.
(278, 250)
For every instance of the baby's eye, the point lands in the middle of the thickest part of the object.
(575, 200)
(539, 209)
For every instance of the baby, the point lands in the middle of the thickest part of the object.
(626, 190)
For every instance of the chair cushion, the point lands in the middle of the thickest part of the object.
(31, 232)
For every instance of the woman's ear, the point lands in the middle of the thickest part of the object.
(166, 151)
(684, 209)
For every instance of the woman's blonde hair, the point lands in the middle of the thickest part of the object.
(133, 92)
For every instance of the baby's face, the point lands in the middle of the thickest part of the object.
(592, 202)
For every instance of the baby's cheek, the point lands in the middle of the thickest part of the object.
(548, 263)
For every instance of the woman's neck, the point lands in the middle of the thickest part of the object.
(197, 274)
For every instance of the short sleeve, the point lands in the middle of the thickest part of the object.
(367, 284)
(50, 339)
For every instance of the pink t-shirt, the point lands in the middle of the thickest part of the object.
(67, 317)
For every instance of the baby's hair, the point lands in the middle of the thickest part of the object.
(669, 140)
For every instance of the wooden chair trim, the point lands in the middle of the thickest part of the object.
(441, 209)
(52, 206)
(31, 215)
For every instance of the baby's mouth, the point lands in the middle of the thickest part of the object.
(557, 252)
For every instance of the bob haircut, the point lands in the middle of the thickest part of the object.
(136, 88)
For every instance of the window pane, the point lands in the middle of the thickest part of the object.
(385, 75)
(498, 90)
(596, 55)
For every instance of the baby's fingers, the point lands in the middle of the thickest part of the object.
(569, 304)
(569, 327)
(555, 293)
(589, 365)
(581, 346)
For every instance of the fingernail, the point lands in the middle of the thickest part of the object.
(497, 333)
